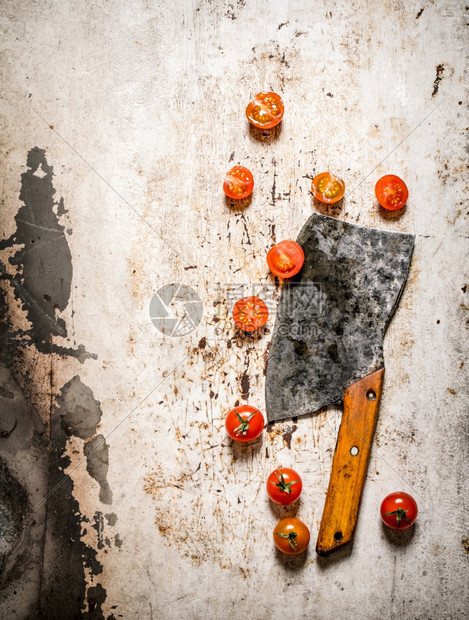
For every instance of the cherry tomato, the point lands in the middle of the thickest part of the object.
(399, 510)
(328, 188)
(291, 536)
(284, 486)
(250, 313)
(244, 423)
(265, 110)
(391, 192)
(285, 259)
(238, 183)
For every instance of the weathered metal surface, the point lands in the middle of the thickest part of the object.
(136, 111)
(332, 317)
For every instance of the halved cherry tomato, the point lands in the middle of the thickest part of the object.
(238, 183)
(250, 313)
(291, 536)
(265, 110)
(244, 423)
(284, 486)
(391, 192)
(328, 188)
(285, 259)
(399, 510)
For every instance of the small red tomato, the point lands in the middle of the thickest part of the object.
(291, 536)
(328, 188)
(244, 423)
(285, 259)
(250, 313)
(284, 486)
(238, 183)
(391, 192)
(265, 110)
(399, 510)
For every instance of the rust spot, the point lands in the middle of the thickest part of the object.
(451, 391)
(439, 76)
(287, 436)
(465, 544)
(245, 385)
(202, 343)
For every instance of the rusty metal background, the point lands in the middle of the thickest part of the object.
(121, 495)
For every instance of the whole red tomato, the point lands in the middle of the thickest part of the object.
(244, 423)
(291, 536)
(284, 486)
(399, 510)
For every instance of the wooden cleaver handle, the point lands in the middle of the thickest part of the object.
(350, 463)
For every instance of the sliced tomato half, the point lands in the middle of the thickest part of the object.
(250, 313)
(265, 110)
(328, 188)
(285, 259)
(391, 192)
(238, 183)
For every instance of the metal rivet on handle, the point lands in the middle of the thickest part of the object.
(354, 450)
(371, 395)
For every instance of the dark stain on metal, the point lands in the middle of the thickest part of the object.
(95, 597)
(96, 451)
(80, 413)
(202, 343)
(44, 262)
(63, 573)
(244, 385)
(118, 541)
(98, 525)
(111, 518)
(420, 12)
(15, 513)
(287, 436)
(439, 76)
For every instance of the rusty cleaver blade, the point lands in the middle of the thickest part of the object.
(327, 348)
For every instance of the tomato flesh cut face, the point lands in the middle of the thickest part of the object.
(238, 183)
(265, 110)
(285, 259)
(244, 423)
(391, 192)
(250, 313)
(328, 188)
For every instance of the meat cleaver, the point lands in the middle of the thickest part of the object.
(327, 348)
